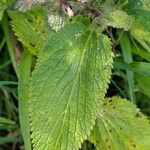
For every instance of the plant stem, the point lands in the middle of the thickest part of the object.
(24, 76)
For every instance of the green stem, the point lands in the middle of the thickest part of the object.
(2, 44)
(24, 77)
(6, 30)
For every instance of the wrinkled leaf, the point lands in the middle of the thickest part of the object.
(120, 126)
(116, 18)
(67, 87)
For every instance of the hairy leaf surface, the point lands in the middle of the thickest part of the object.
(142, 17)
(138, 32)
(31, 29)
(115, 18)
(120, 126)
(67, 87)
(119, 19)
(140, 10)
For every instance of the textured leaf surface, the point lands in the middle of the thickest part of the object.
(67, 87)
(139, 32)
(120, 126)
(119, 19)
(3, 5)
(31, 29)
(138, 4)
(116, 18)
(142, 17)
(140, 10)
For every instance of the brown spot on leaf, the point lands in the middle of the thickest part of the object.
(110, 101)
(114, 107)
(32, 45)
(29, 20)
(133, 145)
(138, 115)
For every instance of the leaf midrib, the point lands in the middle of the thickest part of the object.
(74, 84)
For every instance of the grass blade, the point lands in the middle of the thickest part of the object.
(127, 55)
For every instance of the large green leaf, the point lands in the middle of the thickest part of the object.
(67, 87)
(3, 5)
(120, 126)
(31, 28)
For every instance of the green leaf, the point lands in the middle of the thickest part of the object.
(120, 126)
(141, 67)
(125, 44)
(3, 5)
(143, 83)
(67, 87)
(31, 29)
(138, 4)
(10, 139)
(6, 121)
(116, 18)
(140, 51)
(142, 17)
(138, 32)
(140, 10)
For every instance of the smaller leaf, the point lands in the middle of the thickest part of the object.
(31, 29)
(138, 31)
(142, 17)
(116, 18)
(120, 126)
(140, 51)
(137, 67)
(138, 4)
(3, 5)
